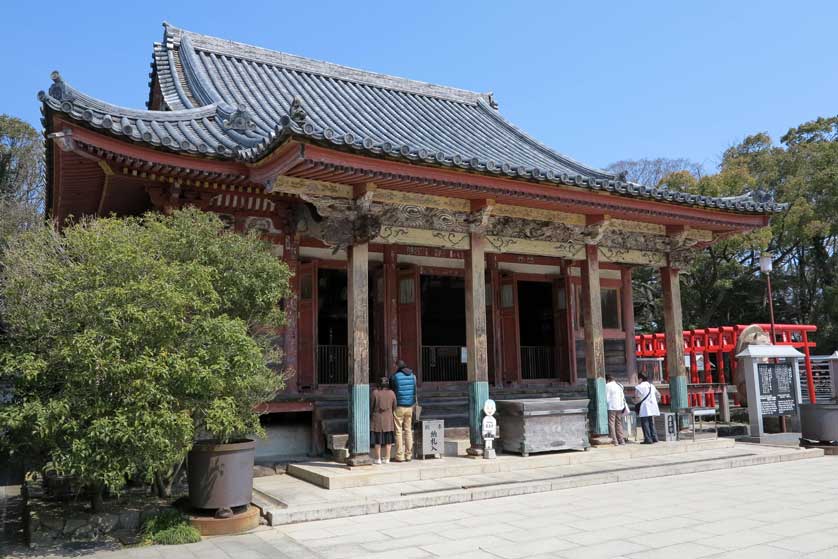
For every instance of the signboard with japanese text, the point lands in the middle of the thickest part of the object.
(433, 437)
(776, 389)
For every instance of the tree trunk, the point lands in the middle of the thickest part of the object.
(97, 503)
(174, 477)
(160, 486)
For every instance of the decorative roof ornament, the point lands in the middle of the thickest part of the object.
(297, 112)
(490, 97)
(622, 176)
(758, 196)
(59, 90)
(236, 119)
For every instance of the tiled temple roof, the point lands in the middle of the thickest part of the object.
(236, 101)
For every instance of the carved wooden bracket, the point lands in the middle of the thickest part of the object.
(478, 220)
(595, 230)
(342, 222)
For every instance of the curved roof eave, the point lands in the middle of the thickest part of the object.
(205, 130)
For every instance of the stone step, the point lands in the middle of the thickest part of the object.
(456, 447)
(338, 441)
(342, 478)
(356, 502)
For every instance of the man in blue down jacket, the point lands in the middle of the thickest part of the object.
(404, 385)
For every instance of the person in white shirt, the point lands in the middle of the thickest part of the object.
(647, 396)
(616, 399)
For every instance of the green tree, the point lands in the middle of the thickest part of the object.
(723, 285)
(21, 184)
(130, 338)
(21, 162)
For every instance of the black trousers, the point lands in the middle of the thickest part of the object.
(650, 435)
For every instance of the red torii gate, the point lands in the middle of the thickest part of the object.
(720, 342)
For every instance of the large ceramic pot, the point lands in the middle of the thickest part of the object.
(221, 475)
(819, 422)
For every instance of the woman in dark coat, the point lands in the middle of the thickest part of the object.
(382, 406)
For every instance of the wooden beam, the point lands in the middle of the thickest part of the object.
(106, 183)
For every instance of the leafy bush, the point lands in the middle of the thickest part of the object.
(130, 338)
(169, 527)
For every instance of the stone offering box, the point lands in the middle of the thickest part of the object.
(542, 424)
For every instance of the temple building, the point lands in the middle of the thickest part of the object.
(418, 222)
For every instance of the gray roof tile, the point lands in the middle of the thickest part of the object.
(233, 100)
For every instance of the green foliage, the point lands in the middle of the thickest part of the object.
(723, 285)
(21, 161)
(130, 338)
(169, 527)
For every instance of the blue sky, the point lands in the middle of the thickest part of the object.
(599, 81)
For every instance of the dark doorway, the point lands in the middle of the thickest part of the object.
(536, 327)
(332, 338)
(443, 300)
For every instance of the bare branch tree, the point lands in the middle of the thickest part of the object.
(652, 171)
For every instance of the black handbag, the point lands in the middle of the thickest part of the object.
(638, 404)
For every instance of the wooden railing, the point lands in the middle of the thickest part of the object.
(332, 364)
(537, 362)
(442, 364)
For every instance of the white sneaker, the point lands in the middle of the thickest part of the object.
(386, 460)
(378, 460)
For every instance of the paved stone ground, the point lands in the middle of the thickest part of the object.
(773, 511)
(455, 480)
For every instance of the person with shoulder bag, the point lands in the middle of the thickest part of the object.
(615, 397)
(647, 396)
(404, 385)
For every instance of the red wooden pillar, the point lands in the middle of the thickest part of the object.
(409, 319)
(494, 321)
(570, 326)
(810, 380)
(390, 286)
(628, 324)
(559, 335)
(708, 372)
(290, 255)
(692, 345)
(307, 326)
(511, 353)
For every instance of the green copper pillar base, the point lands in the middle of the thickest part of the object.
(478, 393)
(598, 407)
(678, 397)
(678, 392)
(359, 421)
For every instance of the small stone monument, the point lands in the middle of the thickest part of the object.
(772, 381)
(490, 429)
